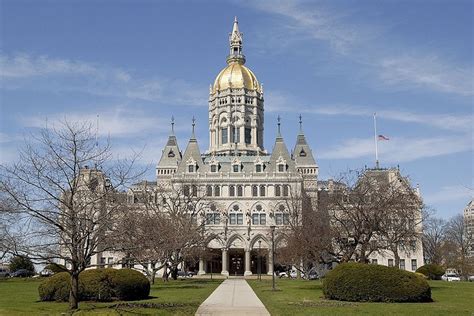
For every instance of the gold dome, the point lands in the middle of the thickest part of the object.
(236, 76)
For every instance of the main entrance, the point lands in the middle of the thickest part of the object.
(236, 262)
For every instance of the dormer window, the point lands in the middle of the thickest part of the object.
(213, 168)
(258, 168)
(171, 154)
(192, 165)
(236, 165)
(280, 165)
(302, 153)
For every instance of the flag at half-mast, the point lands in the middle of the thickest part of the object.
(382, 137)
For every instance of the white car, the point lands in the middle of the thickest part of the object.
(450, 277)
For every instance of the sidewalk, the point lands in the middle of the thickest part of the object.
(233, 297)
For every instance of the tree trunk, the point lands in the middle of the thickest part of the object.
(74, 292)
(397, 257)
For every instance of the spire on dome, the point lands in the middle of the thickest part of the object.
(235, 41)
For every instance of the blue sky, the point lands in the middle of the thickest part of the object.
(137, 63)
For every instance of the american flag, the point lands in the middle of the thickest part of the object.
(381, 137)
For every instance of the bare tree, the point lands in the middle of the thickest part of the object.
(434, 235)
(307, 235)
(370, 211)
(66, 207)
(459, 243)
(169, 228)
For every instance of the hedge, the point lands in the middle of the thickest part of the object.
(97, 285)
(358, 282)
(432, 271)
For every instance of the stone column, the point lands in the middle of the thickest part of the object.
(202, 269)
(225, 259)
(247, 263)
(270, 262)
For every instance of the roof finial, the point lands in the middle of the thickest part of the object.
(172, 124)
(301, 124)
(235, 41)
(194, 124)
(279, 123)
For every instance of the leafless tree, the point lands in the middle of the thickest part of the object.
(459, 243)
(308, 238)
(65, 189)
(372, 211)
(434, 235)
(167, 227)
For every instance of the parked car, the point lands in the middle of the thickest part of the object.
(450, 277)
(282, 274)
(4, 273)
(471, 278)
(185, 274)
(293, 274)
(313, 275)
(22, 273)
(46, 273)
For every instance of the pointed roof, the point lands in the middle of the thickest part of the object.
(303, 154)
(192, 153)
(171, 155)
(280, 152)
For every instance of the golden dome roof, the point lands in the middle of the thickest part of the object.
(236, 76)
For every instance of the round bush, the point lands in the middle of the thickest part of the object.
(374, 283)
(432, 271)
(97, 285)
(55, 288)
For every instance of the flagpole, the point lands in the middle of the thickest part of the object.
(376, 143)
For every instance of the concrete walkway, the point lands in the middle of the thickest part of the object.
(233, 297)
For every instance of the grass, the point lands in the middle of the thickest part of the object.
(300, 297)
(180, 297)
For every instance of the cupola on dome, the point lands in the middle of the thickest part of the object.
(235, 75)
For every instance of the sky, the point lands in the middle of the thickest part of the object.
(134, 64)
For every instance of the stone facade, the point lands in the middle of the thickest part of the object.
(246, 185)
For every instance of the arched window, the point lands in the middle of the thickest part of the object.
(217, 191)
(259, 217)
(285, 190)
(240, 190)
(209, 190)
(254, 190)
(231, 190)
(277, 190)
(236, 217)
(262, 190)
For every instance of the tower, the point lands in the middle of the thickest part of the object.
(236, 105)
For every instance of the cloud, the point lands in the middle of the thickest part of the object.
(278, 101)
(63, 75)
(319, 23)
(450, 193)
(119, 122)
(398, 149)
(411, 71)
(363, 44)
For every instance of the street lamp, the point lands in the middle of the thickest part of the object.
(273, 257)
(259, 261)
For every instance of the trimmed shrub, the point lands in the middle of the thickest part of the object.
(55, 288)
(374, 283)
(432, 271)
(97, 285)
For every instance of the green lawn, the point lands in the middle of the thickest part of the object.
(300, 297)
(181, 297)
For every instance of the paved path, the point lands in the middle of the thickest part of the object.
(233, 297)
